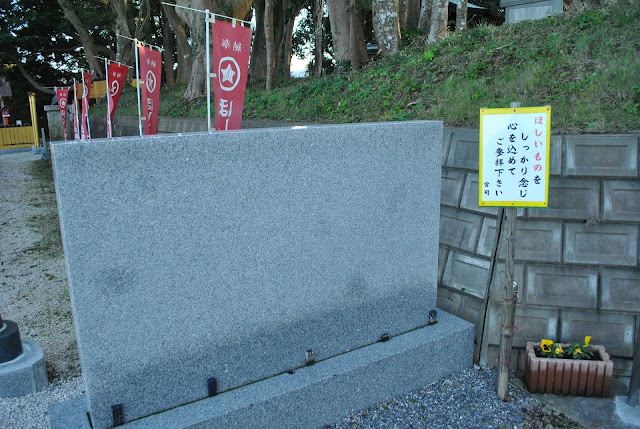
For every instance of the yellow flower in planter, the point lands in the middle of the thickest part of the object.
(583, 352)
(559, 350)
(545, 345)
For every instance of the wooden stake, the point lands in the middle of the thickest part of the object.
(509, 307)
(634, 383)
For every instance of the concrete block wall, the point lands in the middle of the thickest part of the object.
(577, 261)
(579, 257)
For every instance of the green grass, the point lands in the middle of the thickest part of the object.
(585, 64)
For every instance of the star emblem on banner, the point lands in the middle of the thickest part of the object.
(227, 74)
(151, 81)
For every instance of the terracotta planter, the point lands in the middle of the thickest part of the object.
(568, 376)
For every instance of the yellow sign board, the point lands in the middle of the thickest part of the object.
(514, 157)
(98, 89)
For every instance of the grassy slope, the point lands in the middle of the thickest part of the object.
(585, 64)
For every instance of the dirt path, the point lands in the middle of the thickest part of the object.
(33, 279)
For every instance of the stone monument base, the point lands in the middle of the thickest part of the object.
(319, 394)
(25, 374)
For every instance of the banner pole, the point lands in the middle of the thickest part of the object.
(248, 23)
(106, 73)
(135, 48)
(87, 98)
(207, 36)
(76, 128)
(84, 91)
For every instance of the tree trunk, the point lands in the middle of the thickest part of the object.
(409, 12)
(424, 22)
(184, 55)
(318, 14)
(461, 16)
(269, 38)
(439, 16)
(284, 34)
(346, 32)
(144, 20)
(124, 46)
(386, 25)
(90, 50)
(353, 36)
(197, 84)
(235, 8)
(258, 63)
(167, 54)
(284, 14)
(287, 48)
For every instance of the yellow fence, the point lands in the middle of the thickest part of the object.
(19, 137)
(16, 137)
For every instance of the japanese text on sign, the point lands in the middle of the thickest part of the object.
(514, 157)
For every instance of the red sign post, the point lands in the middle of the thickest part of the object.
(150, 73)
(116, 74)
(87, 79)
(63, 99)
(76, 129)
(231, 51)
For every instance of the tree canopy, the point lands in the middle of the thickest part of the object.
(46, 42)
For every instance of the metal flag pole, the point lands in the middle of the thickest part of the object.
(84, 88)
(208, 74)
(135, 48)
(84, 93)
(76, 128)
(248, 23)
(140, 42)
(106, 73)
(115, 62)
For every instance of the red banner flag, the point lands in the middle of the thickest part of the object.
(87, 79)
(150, 72)
(76, 131)
(231, 50)
(116, 75)
(63, 98)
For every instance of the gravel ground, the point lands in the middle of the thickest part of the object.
(33, 293)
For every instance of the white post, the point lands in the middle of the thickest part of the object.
(84, 93)
(135, 48)
(208, 44)
(76, 122)
(84, 89)
(106, 73)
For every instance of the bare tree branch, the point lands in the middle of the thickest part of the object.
(90, 49)
(37, 85)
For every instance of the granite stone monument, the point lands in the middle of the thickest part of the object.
(254, 277)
